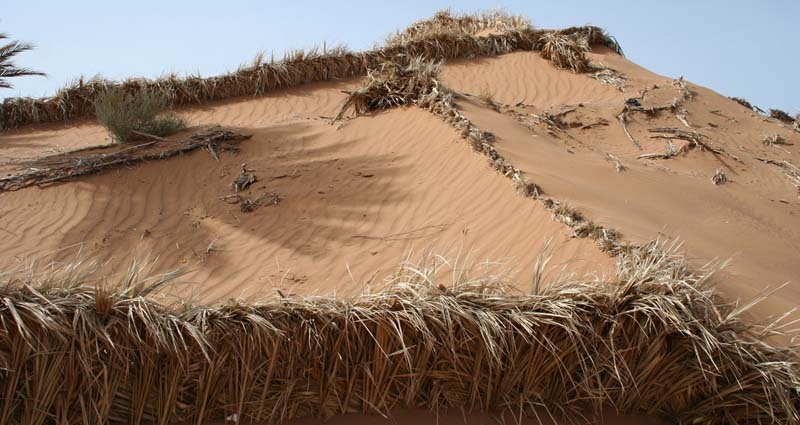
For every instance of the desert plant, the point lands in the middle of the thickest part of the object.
(129, 117)
(487, 97)
(7, 67)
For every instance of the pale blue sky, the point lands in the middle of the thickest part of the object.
(738, 48)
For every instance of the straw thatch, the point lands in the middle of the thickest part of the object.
(657, 341)
(566, 51)
(298, 67)
(445, 21)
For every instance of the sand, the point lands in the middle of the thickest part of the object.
(350, 208)
(357, 197)
(754, 219)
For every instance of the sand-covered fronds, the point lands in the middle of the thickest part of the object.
(656, 341)
(567, 51)
(595, 36)
(135, 117)
(296, 68)
(445, 22)
(395, 84)
(71, 165)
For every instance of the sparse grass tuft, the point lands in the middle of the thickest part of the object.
(487, 97)
(131, 117)
(719, 178)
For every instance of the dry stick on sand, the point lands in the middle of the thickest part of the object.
(695, 140)
(791, 170)
(617, 163)
(623, 121)
(676, 107)
(60, 168)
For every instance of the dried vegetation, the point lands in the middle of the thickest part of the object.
(655, 341)
(68, 166)
(434, 40)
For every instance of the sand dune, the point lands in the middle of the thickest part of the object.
(350, 208)
(753, 220)
(351, 199)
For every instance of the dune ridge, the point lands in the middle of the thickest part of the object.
(352, 194)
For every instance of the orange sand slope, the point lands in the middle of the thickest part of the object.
(753, 219)
(356, 197)
(354, 200)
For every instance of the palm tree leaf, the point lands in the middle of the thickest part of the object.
(7, 67)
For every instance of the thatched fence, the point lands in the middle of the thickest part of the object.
(77, 100)
(656, 341)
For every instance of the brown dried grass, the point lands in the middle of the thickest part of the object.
(566, 51)
(299, 67)
(445, 21)
(654, 341)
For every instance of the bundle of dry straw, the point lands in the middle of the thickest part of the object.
(445, 21)
(439, 41)
(655, 341)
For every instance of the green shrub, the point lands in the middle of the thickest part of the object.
(132, 117)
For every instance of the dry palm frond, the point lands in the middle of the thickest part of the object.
(653, 341)
(566, 51)
(743, 102)
(610, 77)
(594, 36)
(7, 67)
(49, 170)
(792, 171)
(781, 116)
(394, 84)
